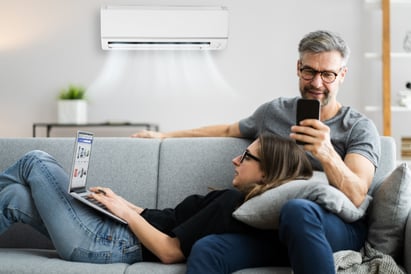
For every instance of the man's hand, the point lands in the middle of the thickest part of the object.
(316, 136)
(148, 134)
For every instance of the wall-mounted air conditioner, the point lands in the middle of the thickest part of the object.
(165, 28)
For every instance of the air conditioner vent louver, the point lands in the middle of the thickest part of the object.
(164, 28)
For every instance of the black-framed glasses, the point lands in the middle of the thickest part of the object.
(327, 76)
(246, 155)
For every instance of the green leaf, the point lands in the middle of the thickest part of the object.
(73, 92)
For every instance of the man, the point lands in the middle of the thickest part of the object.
(343, 143)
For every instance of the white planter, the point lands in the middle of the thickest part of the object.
(72, 111)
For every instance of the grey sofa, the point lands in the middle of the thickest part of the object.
(151, 173)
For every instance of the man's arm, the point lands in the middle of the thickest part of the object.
(227, 130)
(352, 175)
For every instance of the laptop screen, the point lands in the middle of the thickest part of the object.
(81, 159)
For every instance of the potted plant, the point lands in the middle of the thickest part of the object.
(72, 105)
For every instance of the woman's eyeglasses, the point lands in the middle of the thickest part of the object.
(248, 155)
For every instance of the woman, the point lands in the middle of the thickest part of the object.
(34, 191)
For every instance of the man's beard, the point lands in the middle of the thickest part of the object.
(305, 93)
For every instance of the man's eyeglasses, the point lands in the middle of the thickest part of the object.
(247, 155)
(327, 76)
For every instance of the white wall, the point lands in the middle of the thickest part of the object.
(47, 44)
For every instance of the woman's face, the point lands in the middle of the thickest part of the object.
(247, 167)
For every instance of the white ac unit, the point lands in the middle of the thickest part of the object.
(164, 28)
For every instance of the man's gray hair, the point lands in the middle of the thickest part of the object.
(324, 41)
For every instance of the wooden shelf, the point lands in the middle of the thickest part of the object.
(386, 57)
(393, 109)
(376, 55)
(376, 4)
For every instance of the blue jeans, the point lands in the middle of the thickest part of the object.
(34, 191)
(310, 233)
(226, 253)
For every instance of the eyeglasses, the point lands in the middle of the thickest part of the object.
(247, 155)
(327, 76)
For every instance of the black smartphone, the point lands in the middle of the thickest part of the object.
(307, 109)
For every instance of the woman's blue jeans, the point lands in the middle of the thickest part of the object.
(310, 233)
(35, 191)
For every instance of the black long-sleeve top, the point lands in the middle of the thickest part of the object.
(198, 216)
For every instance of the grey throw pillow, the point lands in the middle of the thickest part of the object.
(388, 212)
(263, 211)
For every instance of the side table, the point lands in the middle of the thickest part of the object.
(50, 126)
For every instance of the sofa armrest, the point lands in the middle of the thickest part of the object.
(407, 245)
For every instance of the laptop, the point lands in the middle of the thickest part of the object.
(79, 173)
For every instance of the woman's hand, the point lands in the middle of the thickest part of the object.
(166, 248)
(114, 203)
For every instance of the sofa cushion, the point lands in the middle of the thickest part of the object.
(388, 212)
(263, 211)
(407, 247)
(156, 268)
(386, 164)
(194, 166)
(38, 261)
(127, 165)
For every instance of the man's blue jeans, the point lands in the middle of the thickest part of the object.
(310, 234)
(35, 191)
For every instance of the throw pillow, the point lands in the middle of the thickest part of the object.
(263, 211)
(388, 212)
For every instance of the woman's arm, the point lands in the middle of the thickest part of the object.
(166, 248)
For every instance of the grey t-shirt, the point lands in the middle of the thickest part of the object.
(351, 131)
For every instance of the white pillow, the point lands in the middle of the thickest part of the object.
(263, 211)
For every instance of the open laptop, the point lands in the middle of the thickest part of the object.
(79, 174)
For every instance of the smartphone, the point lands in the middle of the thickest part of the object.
(307, 109)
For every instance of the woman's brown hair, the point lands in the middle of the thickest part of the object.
(281, 160)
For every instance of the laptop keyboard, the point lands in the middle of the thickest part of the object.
(94, 201)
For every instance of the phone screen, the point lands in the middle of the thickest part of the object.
(307, 109)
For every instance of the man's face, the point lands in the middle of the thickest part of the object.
(322, 67)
